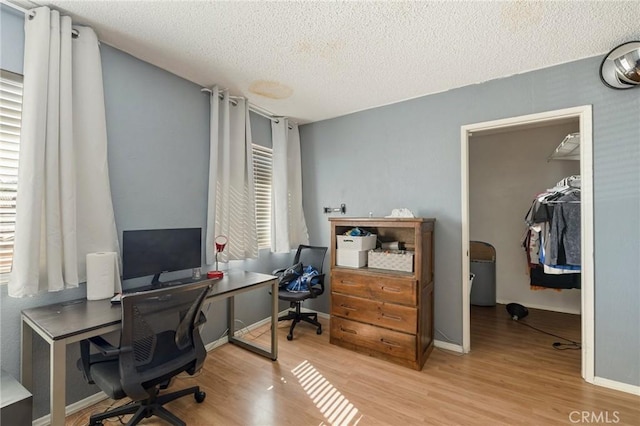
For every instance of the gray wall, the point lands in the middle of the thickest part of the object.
(408, 155)
(158, 132)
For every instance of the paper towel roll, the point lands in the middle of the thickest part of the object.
(103, 275)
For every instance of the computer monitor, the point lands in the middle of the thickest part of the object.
(154, 251)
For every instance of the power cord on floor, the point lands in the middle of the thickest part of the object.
(572, 345)
(81, 420)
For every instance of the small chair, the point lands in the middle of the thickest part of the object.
(307, 255)
(160, 338)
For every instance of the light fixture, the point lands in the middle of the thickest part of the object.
(620, 69)
(220, 243)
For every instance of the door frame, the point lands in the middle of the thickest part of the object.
(584, 114)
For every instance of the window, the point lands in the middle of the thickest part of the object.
(262, 168)
(10, 116)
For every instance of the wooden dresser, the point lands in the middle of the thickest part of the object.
(385, 313)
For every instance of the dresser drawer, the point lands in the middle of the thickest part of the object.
(388, 342)
(397, 317)
(379, 287)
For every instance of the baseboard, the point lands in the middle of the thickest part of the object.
(225, 339)
(563, 310)
(619, 386)
(441, 344)
(73, 408)
(320, 314)
(221, 341)
(216, 343)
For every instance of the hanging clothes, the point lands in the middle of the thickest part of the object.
(552, 241)
(565, 241)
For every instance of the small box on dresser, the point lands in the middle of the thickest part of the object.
(387, 314)
(351, 258)
(366, 242)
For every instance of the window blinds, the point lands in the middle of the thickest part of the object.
(10, 116)
(262, 170)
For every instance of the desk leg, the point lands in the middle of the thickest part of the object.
(231, 314)
(252, 346)
(58, 377)
(26, 357)
(274, 320)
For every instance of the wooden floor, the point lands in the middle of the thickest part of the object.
(513, 376)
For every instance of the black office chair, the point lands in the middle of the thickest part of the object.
(160, 339)
(307, 255)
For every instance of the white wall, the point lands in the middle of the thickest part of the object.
(506, 171)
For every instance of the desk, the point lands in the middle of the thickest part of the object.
(75, 320)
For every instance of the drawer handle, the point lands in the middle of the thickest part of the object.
(347, 330)
(347, 282)
(393, 317)
(347, 307)
(391, 289)
(388, 343)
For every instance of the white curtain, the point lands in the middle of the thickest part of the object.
(63, 209)
(231, 203)
(288, 226)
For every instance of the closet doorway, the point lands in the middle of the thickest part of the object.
(579, 118)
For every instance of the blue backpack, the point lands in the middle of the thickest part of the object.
(304, 281)
(290, 274)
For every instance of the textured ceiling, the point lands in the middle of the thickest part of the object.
(317, 60)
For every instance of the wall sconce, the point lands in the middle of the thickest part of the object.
(620, 69)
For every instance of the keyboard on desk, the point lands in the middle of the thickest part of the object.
(183, 281)
(158, 286)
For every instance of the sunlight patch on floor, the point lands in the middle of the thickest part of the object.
(336, 409)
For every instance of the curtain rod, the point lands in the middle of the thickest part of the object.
(31, 14)
(14, 6)
(254, 108)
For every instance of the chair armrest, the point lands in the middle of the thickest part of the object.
(314, 292)
(107, 352)
(105, 348)
(200, 320)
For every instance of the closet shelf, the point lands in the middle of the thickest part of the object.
(569, 148)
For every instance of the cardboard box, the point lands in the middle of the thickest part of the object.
(356, 243)
(395, 260)
(351, 258)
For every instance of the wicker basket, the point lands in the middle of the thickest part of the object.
(395, 260)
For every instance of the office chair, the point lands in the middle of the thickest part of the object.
(307, 255)
(160, 338)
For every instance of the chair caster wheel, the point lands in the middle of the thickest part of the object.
(319, 330)
(199, 396)
(289, 336)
